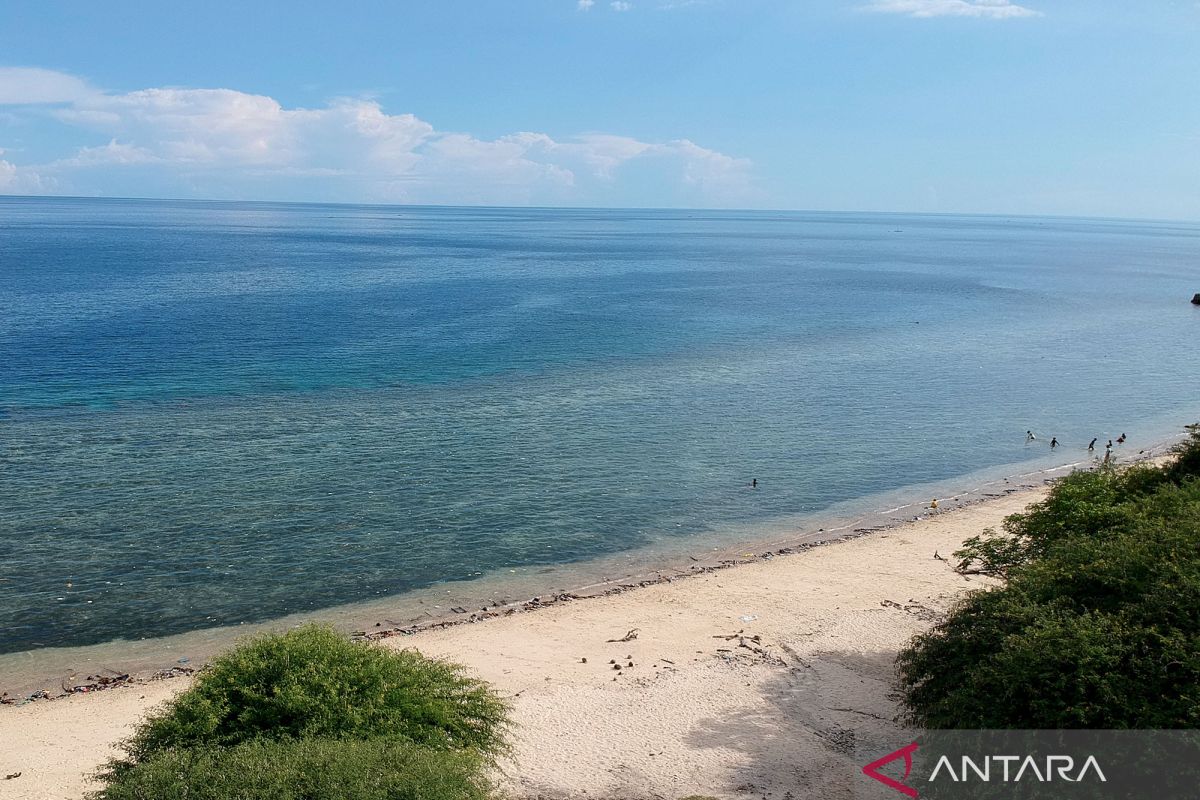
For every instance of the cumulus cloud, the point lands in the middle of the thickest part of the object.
(23, 180)
(25, 85)
(991, 9)
(111, 153)
(222, 141)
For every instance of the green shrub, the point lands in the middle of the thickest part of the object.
(313, 682)
(1098, 504)
(1098, 625)
(312, 769)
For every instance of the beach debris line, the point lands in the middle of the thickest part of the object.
(696, 569)
(543, 602)
(172, 672)
(94, 683)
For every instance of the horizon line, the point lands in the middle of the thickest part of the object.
(701, 209)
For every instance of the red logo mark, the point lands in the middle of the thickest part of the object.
(871, 770)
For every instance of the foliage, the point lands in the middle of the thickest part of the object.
(313, 682)
(1098, 624)
(309, 769)
(1098, 504)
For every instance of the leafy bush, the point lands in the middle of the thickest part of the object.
(312, 769)
(312, 682)
(1098, 625)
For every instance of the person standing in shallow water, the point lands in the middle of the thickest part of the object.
(1092, 444)
(754, 483)
(1053, 442)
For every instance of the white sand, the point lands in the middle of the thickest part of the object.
(721, 720)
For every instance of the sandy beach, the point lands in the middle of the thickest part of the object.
(752, 681)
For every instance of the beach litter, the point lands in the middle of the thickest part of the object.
(172, 672)
(94, 683)
(748, 618)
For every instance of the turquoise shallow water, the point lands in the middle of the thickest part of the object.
(217, 413)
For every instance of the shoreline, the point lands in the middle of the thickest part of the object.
(678, 560)
(734, 678)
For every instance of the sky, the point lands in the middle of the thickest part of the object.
(1073, 107)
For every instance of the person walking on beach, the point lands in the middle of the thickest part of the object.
(1053, 442)
(1092, 445)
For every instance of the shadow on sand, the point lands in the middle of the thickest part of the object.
(820, 714)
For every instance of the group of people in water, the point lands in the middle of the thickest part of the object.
(1031, 437)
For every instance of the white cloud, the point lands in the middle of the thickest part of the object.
(224, 142)
(23, 180)
(111, 153)
(991, 9)
(21, 85)
(621, 5)
(585, 5)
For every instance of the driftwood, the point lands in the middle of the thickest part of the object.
(629, 637)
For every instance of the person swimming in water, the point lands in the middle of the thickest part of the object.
(1121, 439)
(1029, 437)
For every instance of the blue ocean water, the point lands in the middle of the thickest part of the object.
(213, 413)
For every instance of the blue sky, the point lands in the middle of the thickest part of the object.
(1036, 107)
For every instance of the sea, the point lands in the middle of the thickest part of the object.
(219, 414)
